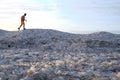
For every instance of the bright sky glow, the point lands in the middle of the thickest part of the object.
(65, 15)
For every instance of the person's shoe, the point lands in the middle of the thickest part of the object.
(24, 28)
(18, 28)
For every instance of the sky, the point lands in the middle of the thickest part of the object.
(74, 16)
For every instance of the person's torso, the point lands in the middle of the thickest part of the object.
(22, 18)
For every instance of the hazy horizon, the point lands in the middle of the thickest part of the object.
(74, 32)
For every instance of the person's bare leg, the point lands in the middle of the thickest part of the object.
(24, 26)
(19, 26)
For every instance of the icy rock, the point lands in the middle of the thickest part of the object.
(118, 75)
(31, 71)
(33, 53)
(19, 60)
(59, 78)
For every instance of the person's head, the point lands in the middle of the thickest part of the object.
(25, 14)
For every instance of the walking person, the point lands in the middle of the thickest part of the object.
(22, 22)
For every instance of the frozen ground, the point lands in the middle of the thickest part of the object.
(54, 55)
(28, 64)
